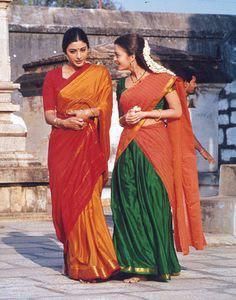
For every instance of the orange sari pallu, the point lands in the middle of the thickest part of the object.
(77, 162)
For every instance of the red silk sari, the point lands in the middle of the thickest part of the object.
(77, 162)
(178, 174)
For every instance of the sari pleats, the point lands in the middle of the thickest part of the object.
(90, 253)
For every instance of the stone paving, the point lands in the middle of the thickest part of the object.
(31, 261)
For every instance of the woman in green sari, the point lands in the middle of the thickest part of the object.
(144, 189)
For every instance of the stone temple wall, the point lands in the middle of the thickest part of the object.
(36, 33)
(227, 124)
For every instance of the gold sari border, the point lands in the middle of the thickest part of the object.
(148, 271)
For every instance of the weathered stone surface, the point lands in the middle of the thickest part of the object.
(227, 154)
(28, 174)
(219, 214)
(233, 117)
(23, 180)
(32, 28)
(12, 143)
(231, 136)
(221, 136)
(17, 198)
(5, 203)
(31, 261)
(233, 103)
(227, 186)
(230, 88)
(223, 104)
(223, 119)
(22, 199)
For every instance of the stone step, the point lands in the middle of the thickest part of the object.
(219, 214)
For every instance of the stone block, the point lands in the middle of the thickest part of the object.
(24, 199)
(17, 198)
(42, 198)
(233, 117)
(24, 175)
(227, 183)
(12, 144)
(219, 214)
(30, 199)
(230, 88)
(231, 136)
(226, 154)
(221, 136)
(233, 103)
(5, 204)
(223, 104)
(223, 119)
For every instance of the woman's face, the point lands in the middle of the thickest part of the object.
(77, 53)
(122, 59)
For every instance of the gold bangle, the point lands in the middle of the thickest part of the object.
(55, 122)
(92, 112)
(158, 119)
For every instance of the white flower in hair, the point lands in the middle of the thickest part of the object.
(153, 66)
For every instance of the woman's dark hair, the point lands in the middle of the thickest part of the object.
(133, 44)
(74, 34)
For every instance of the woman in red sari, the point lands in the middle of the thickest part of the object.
(78, 104)
(155, 175)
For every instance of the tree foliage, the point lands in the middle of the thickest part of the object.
(106, 4)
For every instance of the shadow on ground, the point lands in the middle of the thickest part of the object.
(42, 249)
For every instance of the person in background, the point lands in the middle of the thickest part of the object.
(190, 87)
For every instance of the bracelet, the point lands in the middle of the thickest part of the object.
(158, 119)
(55, 122)
(92, 112)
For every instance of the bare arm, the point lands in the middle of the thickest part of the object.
(204, 153)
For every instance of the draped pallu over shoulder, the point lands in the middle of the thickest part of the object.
(98, 93)
(179, 174)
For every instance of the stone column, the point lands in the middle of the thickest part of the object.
(23, 181)
(12, 135)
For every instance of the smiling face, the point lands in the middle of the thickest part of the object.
(122, 59)
(77, 53)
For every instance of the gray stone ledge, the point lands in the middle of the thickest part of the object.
(24, 175)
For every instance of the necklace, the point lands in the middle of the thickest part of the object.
(138, 79)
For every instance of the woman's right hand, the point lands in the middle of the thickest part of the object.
(134, 115)
(73, 123)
